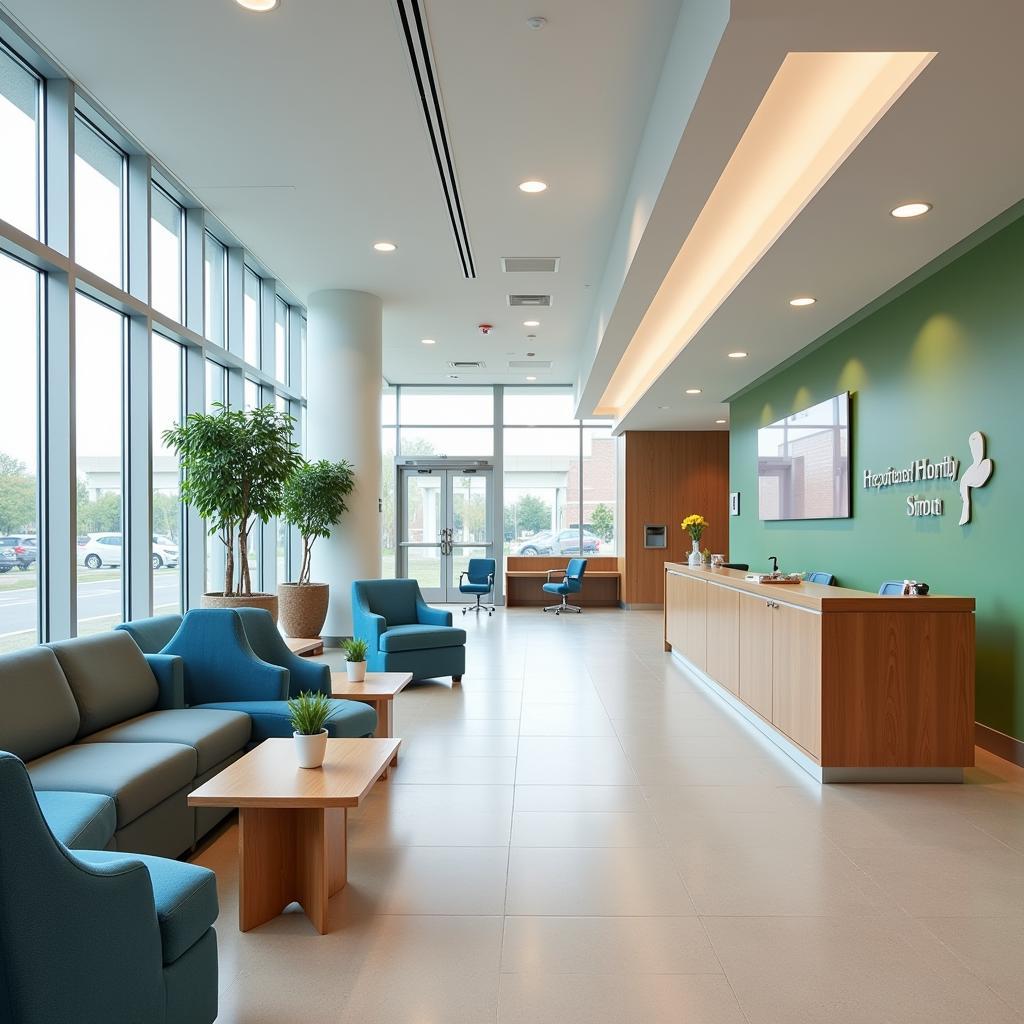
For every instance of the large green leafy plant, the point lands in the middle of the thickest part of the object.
(235, 465)
(314, 500)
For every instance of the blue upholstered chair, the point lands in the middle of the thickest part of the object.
(571, 583)
(403, 633)
(478, 579)
(98, 937)
(891, 587)
(305, 676)
(824, 578)
(221, 670)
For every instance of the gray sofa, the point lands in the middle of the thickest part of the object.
(111, 750)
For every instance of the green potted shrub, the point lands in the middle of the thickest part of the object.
(309, 714)
(314, 501)
(234, 467)
(355, 659)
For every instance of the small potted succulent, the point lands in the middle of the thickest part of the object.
(355, 659)
(309, 714)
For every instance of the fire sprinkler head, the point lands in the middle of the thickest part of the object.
(485, 328)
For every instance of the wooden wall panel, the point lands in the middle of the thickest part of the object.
(541, 563)
(668, 475)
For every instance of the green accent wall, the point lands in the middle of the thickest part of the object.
(941, 360)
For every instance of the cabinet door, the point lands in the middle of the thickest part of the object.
(723, 652)
(796, 675)
(755, 654)
(695, 622)
(674, 611)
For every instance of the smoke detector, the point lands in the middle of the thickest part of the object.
(536, 22)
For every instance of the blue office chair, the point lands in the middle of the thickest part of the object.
(891, 587)
(481, 583)
(571, 583)
(826, 579)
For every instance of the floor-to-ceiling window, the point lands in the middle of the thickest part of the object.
(99, 401)
(105, 299)
(168, 406)
(388, 450)
(19, 544)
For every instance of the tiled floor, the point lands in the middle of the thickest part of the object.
(583, 834)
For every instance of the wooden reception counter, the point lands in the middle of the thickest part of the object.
(854, 686)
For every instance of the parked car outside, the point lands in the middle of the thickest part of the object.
(102, 549)
(8, 559)
(26, 548)
(565, 542)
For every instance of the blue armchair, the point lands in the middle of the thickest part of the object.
(221, 670)
(91, 937)
(403, 633)
(571, 583)
(305, 676)
(478, 579)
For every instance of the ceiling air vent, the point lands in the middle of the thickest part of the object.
(529, 300)
(529, 364)
(529, 264)
(457, 365)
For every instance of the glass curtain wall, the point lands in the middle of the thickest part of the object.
(125, 358)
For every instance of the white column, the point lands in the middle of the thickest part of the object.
(343, 422)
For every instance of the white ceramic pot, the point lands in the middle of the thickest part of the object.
(356, 671)
(310, 751)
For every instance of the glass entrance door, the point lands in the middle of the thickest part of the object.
(446, 519)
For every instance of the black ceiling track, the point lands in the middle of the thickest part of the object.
(410, 14)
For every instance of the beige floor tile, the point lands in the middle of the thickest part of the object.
(575, 760)
(423, 880)
(847, 971)
(426, 744)
(758, 769)
(607, 945)
(990, 947)
(456, 771)
(585, 828)
(564, 720)
(647, 999)
(595, 882)
(579, 798)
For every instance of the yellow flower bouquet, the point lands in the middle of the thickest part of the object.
(694, 525)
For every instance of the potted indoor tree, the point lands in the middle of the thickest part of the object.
(314, 501)
(309, 713)
(234, 468)
(355, 659)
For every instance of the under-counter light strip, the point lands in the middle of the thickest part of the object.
(816, 111)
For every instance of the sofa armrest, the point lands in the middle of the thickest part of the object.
(428, 616)
(169, 671)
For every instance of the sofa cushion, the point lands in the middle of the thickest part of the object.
(109, 677)
(37, 709)
(136, 775)
(421, 638)
(271, 718)
(81, 821)
(185, 897)
(215, 735)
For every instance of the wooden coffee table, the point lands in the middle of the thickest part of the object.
(292, 822)
(378, 689)
(305, 648)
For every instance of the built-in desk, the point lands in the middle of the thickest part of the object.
(854, 686)
(526, 574)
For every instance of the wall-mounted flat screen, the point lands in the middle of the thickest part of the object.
(803, 463)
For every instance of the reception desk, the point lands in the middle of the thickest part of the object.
(854, 686)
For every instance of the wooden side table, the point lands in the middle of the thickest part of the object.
(378, 689)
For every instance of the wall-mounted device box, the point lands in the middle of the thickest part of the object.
(655, 537)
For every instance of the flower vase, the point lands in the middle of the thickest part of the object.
(695, 561)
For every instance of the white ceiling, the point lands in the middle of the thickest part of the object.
(302, 131)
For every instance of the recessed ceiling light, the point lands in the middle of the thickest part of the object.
(532, 186)
(719, 421)
(428, 341)
(911, 210)
(737, 355)
(803, 300)
(693, 391)
(531, 323)
(385, 246)
(260, 6)
(662, 407)
(531, 378)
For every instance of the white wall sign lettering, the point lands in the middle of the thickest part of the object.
(975, 475)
